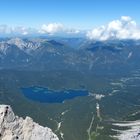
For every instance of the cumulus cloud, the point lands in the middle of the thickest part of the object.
(52, 28)
(4, 29)
(124, 28)
(19, 30)
(47, 29)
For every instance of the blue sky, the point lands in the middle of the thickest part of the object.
(94, 19)
(82, 14)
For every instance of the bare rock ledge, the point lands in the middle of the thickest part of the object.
(16, 128)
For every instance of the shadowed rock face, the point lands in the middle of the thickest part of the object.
(13, 127)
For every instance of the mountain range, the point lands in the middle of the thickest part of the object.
(75, 53)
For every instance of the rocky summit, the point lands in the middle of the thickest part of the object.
(13, 127)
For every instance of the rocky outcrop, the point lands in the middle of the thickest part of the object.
(16, 128)
(132, 133)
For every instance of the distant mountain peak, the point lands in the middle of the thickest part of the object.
(27, 46)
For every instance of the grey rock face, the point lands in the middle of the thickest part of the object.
(13, 127)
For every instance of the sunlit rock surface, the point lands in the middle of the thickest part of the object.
(13, 127)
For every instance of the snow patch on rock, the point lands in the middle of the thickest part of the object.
(133, 133)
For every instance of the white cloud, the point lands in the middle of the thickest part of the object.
(124, 28)
(4, 29)
(21, 30)
(126, 18)
(54, 28)
(51, 28)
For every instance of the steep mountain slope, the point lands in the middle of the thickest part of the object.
(41, 53)
(13, 127)
(100, 57)
(114, 55)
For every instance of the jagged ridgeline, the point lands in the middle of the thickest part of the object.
(69, 53)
